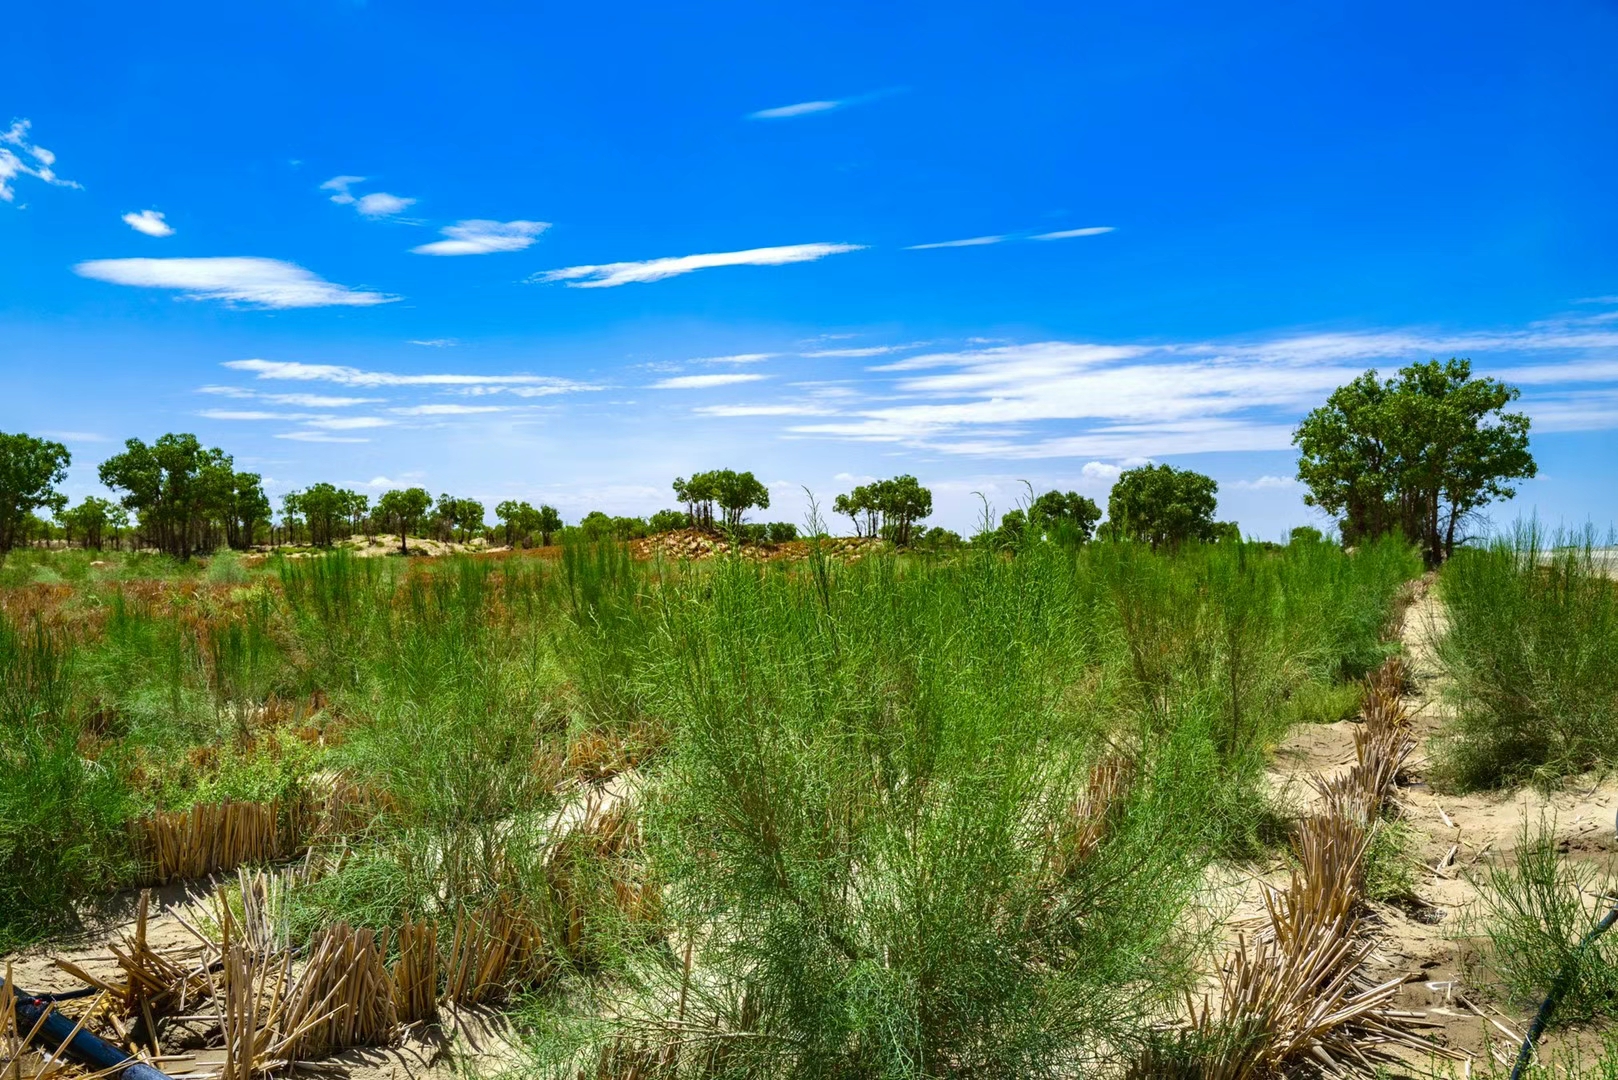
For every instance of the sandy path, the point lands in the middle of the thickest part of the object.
(1457, 836)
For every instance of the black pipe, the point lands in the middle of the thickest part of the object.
(85, 1048)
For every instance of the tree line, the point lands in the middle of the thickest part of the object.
(1418, 453)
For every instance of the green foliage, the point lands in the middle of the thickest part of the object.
(886, 508)
(30, 469)
(1418, 453)
(1391, 861)
(328, 512)
(403, 511)
(668, 521)
(1534, 913)
(733, 492)
(182, 491)
(1162, 506)
(781, 532)
(1533, 630)
(457, 519)
(91, 520)
(523, 524)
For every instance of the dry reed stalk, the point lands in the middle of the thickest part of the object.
(415, 975)
(343, 998)
(1091, 814)
(598, 849)
(207, 838)
(491, 947)
(1301, 994)
(157, 982)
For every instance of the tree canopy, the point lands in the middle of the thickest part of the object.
(1163, 506)
(326, 511)
(1419, 452)
(30, 469)
(887, 508)
(403, 510)
(185, 493)
(733, 492)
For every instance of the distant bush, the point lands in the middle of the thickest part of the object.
(782, 531)
(1532, 651)
(667, 521)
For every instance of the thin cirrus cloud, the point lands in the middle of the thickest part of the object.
(21, 156)
(257, 282)
(702, 382)
(480, 237)
(823, 105)
(377, 204)
(985, 241)
(307, 401)
(609, 275)
(972, 241)
(149, 222)
(863, 351)
(1065, 399)
(519, 385)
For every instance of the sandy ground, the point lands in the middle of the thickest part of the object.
(1423, 939)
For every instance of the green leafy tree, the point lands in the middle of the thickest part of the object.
(698, 495)
(1163, 506)
(178, 487)
(903, 502)
(248, 508)
(738, 492)
(403, 511)
(1418, 453)
(668, 521)
(1065, 514)
(860, 506)
(90, 519)
(516, 520)
(547, 522)
(326, 510)
(30, 469)
(887, 508)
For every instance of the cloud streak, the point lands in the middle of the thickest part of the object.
(481, 237)
(20, 156)
(973, 241)
(256, 282)
(610, 275)
(351, 376)
(703, 382)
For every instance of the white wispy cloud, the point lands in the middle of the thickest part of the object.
(739, 358)
(149, 222)
(34, 160)
(480, 237)
(349, 423)
(701, 382)
(1267, 483)
(267, 283)
(608, 275)
(972, 241)
(448, 410)
(868, 350)
(1069, 234)
(308, 401)
(802, 108)
(319, 437)
(76, 436)
(783, 409)
(339, 186)
(436, 343)
(350, 376)
(810, 108)
(1066, 399)
(380, 204)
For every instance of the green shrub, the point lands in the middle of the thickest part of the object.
(1532, 654)
(1534, 913)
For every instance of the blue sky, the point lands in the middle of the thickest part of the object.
(567, 253)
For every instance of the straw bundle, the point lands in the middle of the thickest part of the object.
(158, 982)
(1091, 814)
(415, 975)
(207, 838)
(490, 947)
(343, 998)
(1300, 993)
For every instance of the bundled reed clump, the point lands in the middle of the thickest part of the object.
(1299, 994)
(415, 973)
(594, 869)
(210, 837)
(491, 947)
(343, 998)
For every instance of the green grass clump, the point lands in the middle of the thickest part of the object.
(1533, 633)
(1534, 913)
